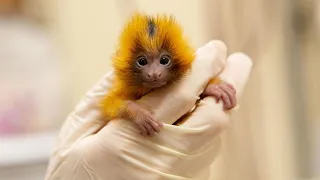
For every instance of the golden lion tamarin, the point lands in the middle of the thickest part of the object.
(152, 53)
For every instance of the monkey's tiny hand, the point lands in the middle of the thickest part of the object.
(222, 91)
(145, 120)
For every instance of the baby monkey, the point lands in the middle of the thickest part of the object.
(152, 53)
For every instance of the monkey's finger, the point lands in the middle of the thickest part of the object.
(143, 130)
(232, 87)
(216, 93)
(226, 100)
(155, 125)
(211, 88)
(158, 123)
(150, 130)
(231, 95)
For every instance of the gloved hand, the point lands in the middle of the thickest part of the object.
(87, 149)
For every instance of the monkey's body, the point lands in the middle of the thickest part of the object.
(152, 53)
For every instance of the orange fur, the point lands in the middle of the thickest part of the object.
(215, 80)
(135, 38)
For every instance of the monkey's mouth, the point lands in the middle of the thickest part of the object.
(154, 84)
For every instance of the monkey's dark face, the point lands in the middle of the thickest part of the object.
(154, 69)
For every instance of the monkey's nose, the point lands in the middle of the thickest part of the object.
(154, 76)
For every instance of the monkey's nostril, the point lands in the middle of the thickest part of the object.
(159, 75)
(149, 76)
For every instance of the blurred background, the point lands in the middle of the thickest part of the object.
(53, 51)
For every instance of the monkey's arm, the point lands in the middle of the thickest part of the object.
(117, 105)
(112, 104)
(221, 90)
(215, 80)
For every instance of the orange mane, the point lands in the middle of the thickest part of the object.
(136, 37)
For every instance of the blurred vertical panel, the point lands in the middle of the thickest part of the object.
(308, 46)
(300, 22)
(262, 128)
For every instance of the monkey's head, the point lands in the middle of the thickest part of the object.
(152, 52)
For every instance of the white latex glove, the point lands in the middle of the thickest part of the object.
(88, 150)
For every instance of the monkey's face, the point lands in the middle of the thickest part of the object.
(154, 69)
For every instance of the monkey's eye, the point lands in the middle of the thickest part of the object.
(142, 61)
(165, 60)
